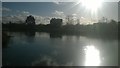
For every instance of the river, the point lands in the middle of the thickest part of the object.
(41, 48)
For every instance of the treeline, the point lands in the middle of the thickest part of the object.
(97, 29)
(17, 27)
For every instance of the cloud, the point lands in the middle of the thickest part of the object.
(4, 9)
(42, 19)
(22, 15)
(12, 18)
(56, 2)
(19, 17)
(59, 13)
(25, 12)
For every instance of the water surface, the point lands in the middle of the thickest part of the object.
(41, 48)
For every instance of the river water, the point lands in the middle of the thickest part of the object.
(41, 48)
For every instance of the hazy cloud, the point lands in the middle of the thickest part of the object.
(4, 9)
(41, 19)
(56, 2)
(59, 14)
(25, 12)
(21, 16)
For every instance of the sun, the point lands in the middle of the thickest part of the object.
(92, 5)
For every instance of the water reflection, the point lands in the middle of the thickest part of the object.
(41, 48)
(5, 39)
(55, 35)
(30, 34)
(92, 56)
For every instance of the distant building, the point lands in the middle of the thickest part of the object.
(56, 22)
(30, 20)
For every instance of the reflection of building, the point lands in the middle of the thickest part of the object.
(30, 20)
(56, 22)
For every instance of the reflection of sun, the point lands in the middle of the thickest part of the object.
(92, 56)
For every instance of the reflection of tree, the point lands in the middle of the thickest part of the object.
(30, 33)
(55, 35)
(119, 30)
(30, 36)
(45, 61)
(50, 61)
(5, 40)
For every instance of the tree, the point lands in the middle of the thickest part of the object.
(30, 20)
(113, 21)
(56, 22)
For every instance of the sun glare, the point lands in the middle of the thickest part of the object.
(92, 56)
(93, 5)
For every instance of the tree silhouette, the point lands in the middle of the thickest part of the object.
(30, 20)
(56, 22)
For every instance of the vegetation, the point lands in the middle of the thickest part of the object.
(5, 39)
(100, 29)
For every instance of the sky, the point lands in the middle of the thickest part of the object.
(118, 11)
(50, 0)
(19, 10)
(44, 11)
